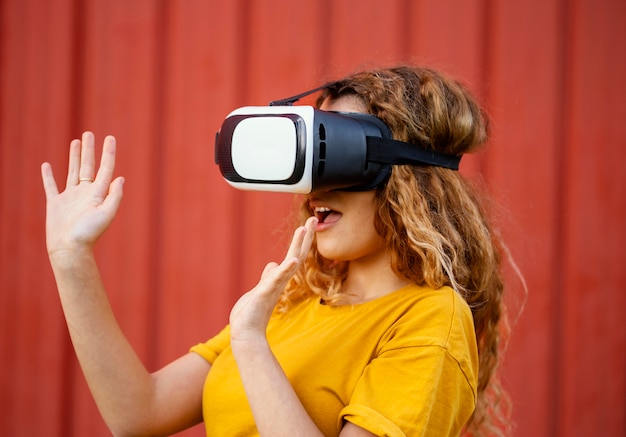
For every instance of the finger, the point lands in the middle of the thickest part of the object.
(107, 162)
(49, 184)
(87, 158)
(296, 244)
(300, 245)
(74, 164)
(308, 238)
(302, 239)
(112, 201)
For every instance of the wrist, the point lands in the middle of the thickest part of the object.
(248, 344)
(71, 256)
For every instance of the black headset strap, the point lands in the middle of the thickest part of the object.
(390, 151)
(289, 101)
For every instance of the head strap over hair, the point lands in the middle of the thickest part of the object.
(289, 101)
(388, 150)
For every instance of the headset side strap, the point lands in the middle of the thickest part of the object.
(390, 151)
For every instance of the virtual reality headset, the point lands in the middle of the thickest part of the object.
(300, 149)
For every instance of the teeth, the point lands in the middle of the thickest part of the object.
(322, 209)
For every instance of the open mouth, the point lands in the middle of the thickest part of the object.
(326, 215)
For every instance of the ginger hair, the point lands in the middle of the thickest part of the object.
(432, 219)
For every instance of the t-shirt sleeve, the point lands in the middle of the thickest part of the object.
(418, 385)
(213, 347)
(417, 391)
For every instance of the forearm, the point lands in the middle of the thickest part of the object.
(131, 400)
(119, 382)
(276, 408)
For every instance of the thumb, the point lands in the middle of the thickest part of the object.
(268, 267)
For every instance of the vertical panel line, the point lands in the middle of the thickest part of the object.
(404, 30)
(239, 212)
(325, 38)
(76, 79)
(559, 243)
(487, 70)
(155, 289)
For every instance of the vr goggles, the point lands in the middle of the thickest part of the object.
(299, 149)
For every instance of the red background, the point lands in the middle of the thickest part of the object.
(162, 74)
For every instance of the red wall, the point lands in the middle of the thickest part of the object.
(161, 76)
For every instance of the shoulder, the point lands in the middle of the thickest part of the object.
(441, 319)
(433, 317)
(434, 311)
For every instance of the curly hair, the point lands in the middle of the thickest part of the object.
(432, 219)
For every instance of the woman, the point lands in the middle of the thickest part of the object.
(381, 320)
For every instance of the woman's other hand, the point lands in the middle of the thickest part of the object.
(251, 314)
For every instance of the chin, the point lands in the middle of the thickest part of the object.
(331, 253)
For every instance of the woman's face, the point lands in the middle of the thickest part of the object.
(345, 231)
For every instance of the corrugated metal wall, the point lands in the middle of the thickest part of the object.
(161, 75)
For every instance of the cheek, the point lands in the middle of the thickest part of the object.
(370, 243)
(348, 243)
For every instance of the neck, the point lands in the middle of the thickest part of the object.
(369, 280)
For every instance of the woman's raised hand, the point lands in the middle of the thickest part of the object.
(250, 315)
(77, 216)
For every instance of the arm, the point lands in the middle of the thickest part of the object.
(275, 405)
(130, 399)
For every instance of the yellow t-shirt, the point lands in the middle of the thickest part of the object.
(405, 364)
